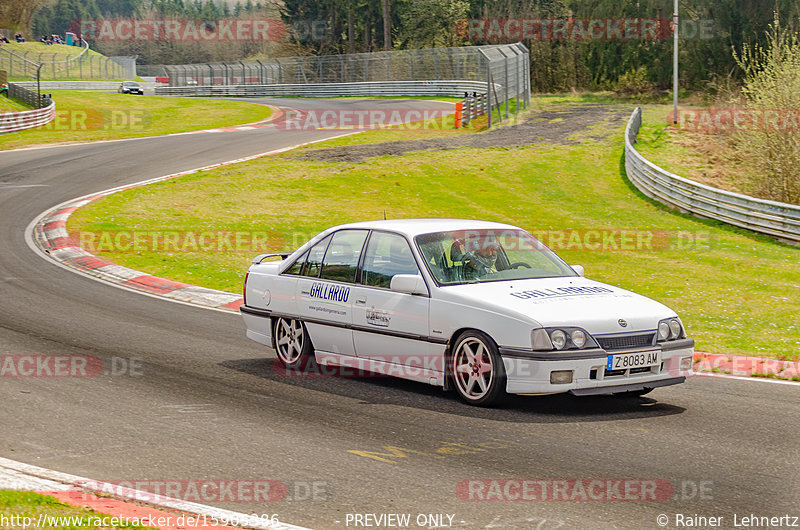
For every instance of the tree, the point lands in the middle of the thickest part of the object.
(431, 23)
(18, 14)
(387, 26)
(771, 86)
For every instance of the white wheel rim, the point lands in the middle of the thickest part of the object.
(473, 368)
(289, 339)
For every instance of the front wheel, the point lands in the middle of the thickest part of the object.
(477, 368)
(292, 344)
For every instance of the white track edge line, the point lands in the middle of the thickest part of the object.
(29, 230)
(137, 496)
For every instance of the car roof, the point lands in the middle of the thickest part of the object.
(415, 227)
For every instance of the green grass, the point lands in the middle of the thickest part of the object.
(17, 505)
(84, 117)
(734, 290)
(36, 47)
(11, 105)
(92, 65)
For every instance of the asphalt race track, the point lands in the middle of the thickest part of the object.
(203, 402)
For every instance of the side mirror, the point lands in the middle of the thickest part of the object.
(409, 284)
(578, 269)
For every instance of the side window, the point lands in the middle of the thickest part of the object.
(341, 259)
(387, 255)
(297, 266)
(314, 261)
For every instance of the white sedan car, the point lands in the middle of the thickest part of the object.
(483, 308)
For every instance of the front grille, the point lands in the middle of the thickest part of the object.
(626, 342)
(634, 371)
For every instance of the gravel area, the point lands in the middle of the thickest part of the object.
(569, 125)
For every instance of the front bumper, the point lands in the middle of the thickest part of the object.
(530, 373)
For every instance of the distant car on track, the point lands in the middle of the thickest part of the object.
(483, 308)
(130, 87)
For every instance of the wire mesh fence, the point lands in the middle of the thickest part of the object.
(22, 64)
(27, 97)
(503, 68)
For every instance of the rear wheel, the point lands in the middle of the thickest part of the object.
(478, 372)
(292, 343)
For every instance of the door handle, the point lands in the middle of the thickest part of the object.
(361, 301)
(305, 292)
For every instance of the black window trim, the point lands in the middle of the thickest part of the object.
(360, 256)
(302, 274)
(360, 266)
(359, 275)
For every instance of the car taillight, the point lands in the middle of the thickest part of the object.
(244, 289)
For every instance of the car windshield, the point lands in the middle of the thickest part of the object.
(471, 256)
(130, 83)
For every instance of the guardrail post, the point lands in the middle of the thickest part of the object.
(489, 90)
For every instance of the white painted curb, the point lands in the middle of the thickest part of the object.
(38, 478)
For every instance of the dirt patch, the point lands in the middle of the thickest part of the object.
(563, 126)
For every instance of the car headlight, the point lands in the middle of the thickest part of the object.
(675, 328)
(663, 330)
(669, 329)
(561, 338)
(578, 338)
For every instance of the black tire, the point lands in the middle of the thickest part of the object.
(477, 369)
(292, 343)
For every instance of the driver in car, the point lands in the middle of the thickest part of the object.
(480, 261)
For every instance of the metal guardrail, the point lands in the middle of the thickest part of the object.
(28, 97)
(502, 69)
(77, 85)
(384, 88)
(474, 106)
(27, 119)
(776, 219)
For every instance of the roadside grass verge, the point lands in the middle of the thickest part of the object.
(57, 63)
(705, 157)
(47, 50)
(733, 290)
(424, 129)
(27, 507)
(91, 116)
(11, 105)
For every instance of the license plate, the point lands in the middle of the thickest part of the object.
(623, 361)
